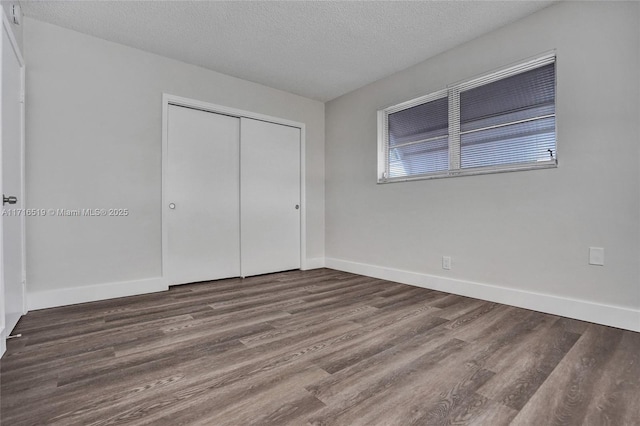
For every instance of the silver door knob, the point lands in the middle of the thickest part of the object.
(9, 200)
(172, 206)
(297, 206)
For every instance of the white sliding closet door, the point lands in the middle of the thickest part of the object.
(11, 170)
(270, 197)
(202, 196)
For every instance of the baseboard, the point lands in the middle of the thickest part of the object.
(91, 293)
(615, 316)
(314, 263)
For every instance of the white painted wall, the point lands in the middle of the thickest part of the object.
(525, 232)
(94, 141)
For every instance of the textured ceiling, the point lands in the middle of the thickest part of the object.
(317, 49)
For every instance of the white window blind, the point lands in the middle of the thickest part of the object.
(419, 139)
(498, 122)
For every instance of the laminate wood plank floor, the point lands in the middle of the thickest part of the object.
(317, 347)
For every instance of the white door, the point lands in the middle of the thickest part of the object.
(12, 218)
(202, 196)
(270, 197)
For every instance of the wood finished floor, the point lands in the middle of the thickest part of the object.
(318, 347)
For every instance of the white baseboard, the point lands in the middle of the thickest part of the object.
(314, 263)
(91, 293)
(615, 316)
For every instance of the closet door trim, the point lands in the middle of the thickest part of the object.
(168, 99)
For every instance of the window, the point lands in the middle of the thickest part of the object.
(502, 121)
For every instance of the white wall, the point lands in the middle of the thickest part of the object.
(527, 233)
(94, 141)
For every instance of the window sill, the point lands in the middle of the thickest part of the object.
(473, 172)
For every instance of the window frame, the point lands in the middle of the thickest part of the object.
(452, 92)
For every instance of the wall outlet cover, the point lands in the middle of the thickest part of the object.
(596, 256)
(446, 262)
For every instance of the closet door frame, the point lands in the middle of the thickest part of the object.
(168, 99)
(13, 46)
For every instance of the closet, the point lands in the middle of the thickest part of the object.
(231, 196)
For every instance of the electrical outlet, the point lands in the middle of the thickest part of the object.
(596, 256)
(446, 262)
